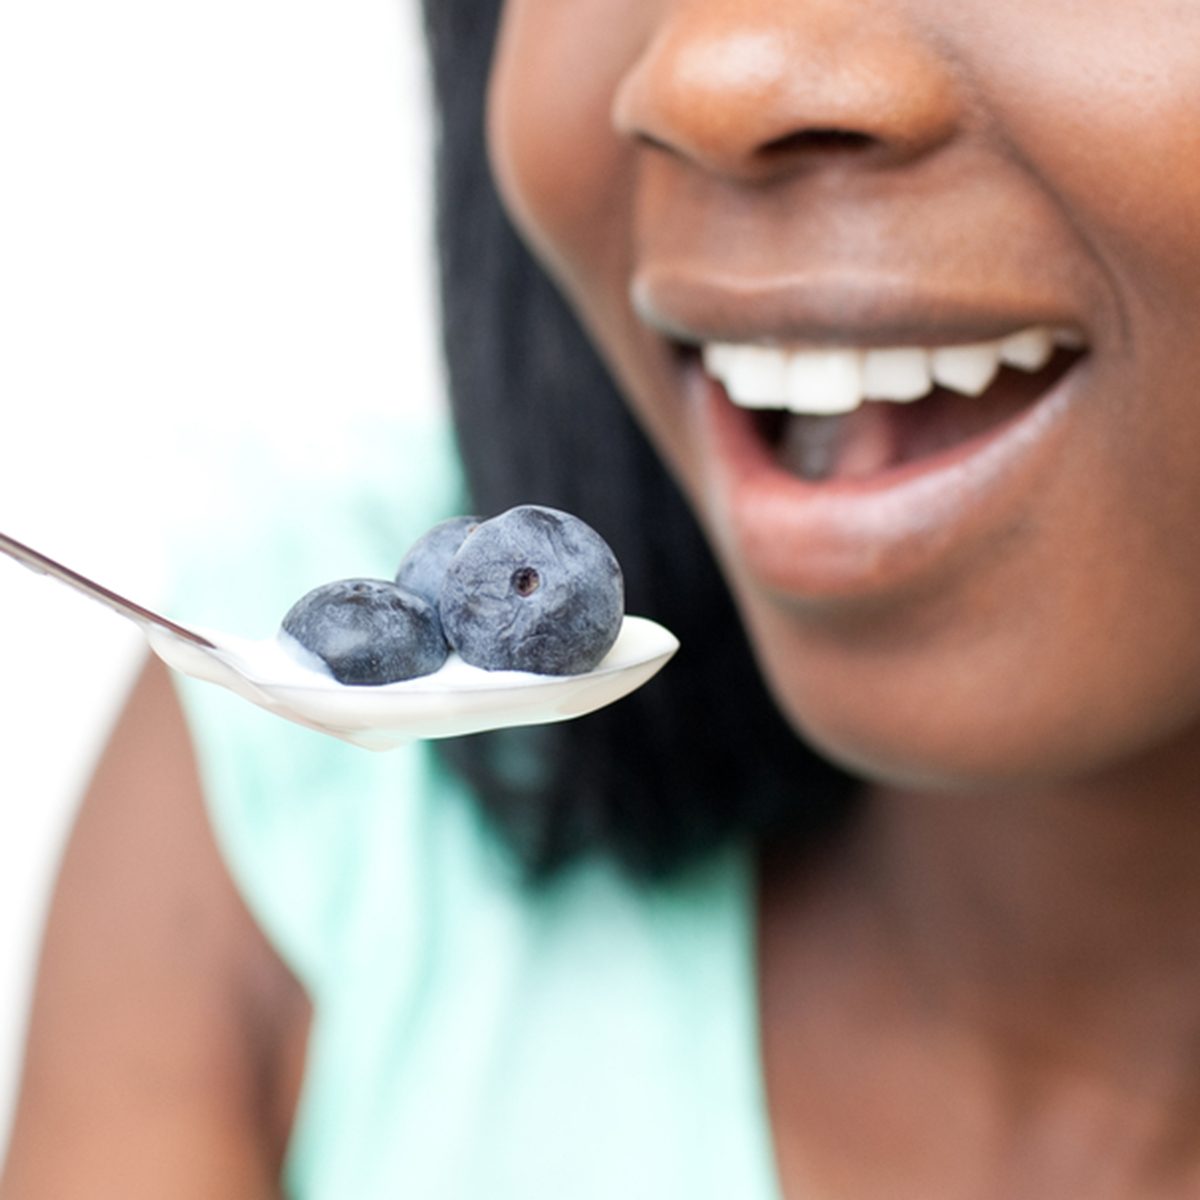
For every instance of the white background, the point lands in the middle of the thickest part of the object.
(214, 234)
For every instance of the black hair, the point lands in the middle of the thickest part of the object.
(700, 755)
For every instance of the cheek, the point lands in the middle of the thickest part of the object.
(568, 180)
(557, 161)
(1104, 106)
(1114, 129)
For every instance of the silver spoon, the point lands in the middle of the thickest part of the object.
(455, 700)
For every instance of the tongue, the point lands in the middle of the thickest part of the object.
(882, 434)
(845, 447)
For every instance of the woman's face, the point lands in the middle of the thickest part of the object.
(803, 203)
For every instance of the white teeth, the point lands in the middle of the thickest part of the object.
(966, 369)
(754, 376)
(901, 374)
(825, 381)
(716, 356)
(1030, 349)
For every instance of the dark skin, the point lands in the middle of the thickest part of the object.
(167, 1039)
(987, 989)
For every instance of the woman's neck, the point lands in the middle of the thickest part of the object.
(1062, 922)
(999, 995)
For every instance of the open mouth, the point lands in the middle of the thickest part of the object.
(848, 413)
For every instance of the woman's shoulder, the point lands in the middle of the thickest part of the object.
(148, 1021)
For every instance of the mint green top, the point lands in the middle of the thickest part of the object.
(471, 1038)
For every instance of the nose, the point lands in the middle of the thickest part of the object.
(750, 89)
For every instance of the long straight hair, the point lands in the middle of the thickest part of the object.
(698, 757)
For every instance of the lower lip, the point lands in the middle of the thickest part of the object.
(862, 538)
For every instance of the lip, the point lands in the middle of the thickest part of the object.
(864, 309)
(862, 538)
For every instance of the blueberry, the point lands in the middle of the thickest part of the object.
(368, 631)
(423, 568)
(533, 589)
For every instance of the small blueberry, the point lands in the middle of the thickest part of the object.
(423, 568)
(368, 631)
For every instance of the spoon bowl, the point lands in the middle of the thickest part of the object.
(457, 699)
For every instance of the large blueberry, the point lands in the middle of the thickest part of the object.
(368, 631)
(533, 589)
(423, 568)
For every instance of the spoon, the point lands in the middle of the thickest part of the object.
(454, 700)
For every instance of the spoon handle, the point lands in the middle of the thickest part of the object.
(36, 561)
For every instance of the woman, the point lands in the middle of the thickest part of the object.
(974, 974)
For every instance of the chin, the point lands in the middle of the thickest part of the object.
(916, 713)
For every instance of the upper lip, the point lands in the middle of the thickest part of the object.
(844, 309)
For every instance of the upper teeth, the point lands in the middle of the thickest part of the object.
(839, 379)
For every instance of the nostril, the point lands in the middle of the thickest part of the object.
(653, 142)
(826, 141)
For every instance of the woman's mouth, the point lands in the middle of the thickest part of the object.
(846, 471)
(843, 413)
